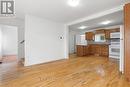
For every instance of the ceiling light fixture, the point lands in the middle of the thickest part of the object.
(73, 3)
(106, 22)
(82, 27)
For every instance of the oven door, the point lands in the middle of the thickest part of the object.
(115, 35)
(114, 52)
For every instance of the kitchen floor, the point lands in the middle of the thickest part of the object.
(76, 72)
(73, 56)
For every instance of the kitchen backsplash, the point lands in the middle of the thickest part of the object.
(93, 42)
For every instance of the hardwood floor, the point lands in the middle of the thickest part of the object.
(75, 72)
(9, 58)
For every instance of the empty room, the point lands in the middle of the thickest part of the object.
(64, 43)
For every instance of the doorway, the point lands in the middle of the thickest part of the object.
(8, 44)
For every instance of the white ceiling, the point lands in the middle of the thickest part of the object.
(115, 18)
(60, 11)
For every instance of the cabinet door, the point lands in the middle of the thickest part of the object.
(101, 31)
(105, 50)
(127, 40)
(84, 50)
(80, 50)
(115, 30)
(107, 34)
(97, 50)
(92, 49)
(87, 51)
(89, 35)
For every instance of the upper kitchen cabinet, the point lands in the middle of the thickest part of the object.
(101, 31)
(115, 30)
(89, 36)
(107, 34)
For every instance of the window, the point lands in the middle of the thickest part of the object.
(80, 39)
(100, 38)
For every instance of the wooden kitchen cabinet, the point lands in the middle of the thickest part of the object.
(87, 50)
(93, 49)
(101, 31)
(114, 30)
(107, 34)
(82, 50)
(89, 36)
(104, 50)
(127, 40)
(99, 50)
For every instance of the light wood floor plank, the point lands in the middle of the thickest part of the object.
(76, 72)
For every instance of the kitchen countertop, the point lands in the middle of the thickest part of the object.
(95, 44)
(100, 44)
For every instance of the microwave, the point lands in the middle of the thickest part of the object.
(115, 35)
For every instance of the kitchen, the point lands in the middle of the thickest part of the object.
(101, 42)
(100, 37)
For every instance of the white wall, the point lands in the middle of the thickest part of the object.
(75, 39)
(20, 24)
(72, 42)
(0, 43)
(80, 39)
(42, 40)
(9, 40)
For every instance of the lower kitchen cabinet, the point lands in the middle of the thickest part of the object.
(99, 50)
(93, 49)
(82, 50)
(104, 50)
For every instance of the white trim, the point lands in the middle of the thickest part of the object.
(66, 42)
(122, 48)
(119, 8)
